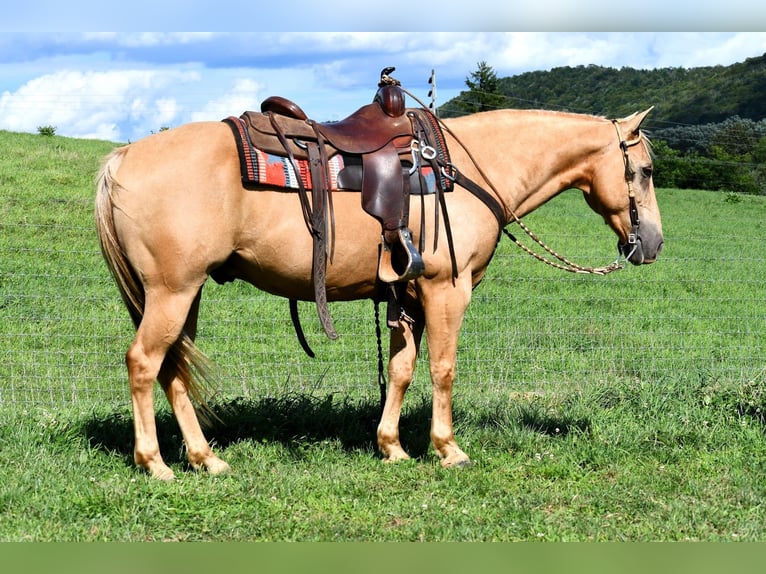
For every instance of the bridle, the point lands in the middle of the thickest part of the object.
(629, 174)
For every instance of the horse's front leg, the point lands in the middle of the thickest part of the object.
(445, 307)
(403, 350)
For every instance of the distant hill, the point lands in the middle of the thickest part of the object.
(680, 95)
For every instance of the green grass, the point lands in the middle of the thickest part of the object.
(626, 407)
(628, 463)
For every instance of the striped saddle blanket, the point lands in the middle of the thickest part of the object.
(269, 169)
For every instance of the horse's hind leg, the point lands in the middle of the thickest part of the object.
(165, 313)
(199, 453)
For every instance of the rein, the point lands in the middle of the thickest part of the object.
(500, 210)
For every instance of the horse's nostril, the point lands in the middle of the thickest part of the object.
(660, 246)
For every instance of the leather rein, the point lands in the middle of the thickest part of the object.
(501, 211)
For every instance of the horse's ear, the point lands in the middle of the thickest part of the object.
(645, 113)
(633, 122)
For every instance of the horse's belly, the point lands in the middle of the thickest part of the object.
(291, 278)
(275, 249)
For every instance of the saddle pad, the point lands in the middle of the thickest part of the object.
(272, 170)
(259, 167)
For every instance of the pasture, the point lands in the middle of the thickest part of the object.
(625, 407)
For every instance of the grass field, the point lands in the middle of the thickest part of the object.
(627, 407)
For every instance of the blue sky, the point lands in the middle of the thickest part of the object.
(121, 86)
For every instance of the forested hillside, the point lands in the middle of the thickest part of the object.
(680, 95)
(708, 124)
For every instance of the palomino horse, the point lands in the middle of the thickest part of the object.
(171, 210)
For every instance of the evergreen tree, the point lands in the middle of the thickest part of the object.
(483, 93)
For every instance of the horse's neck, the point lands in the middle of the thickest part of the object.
(529, 157)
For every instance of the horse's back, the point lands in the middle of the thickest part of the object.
(201, 153)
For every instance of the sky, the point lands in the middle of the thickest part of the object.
(121, 86)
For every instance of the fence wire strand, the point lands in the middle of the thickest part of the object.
(63, 334)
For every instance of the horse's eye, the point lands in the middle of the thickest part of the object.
(647, 171)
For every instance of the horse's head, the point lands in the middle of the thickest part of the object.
(622, 191)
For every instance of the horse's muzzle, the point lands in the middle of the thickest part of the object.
(647, 247)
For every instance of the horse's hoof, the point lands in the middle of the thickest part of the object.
(212, 464)
(163, 473)
(456, 462)
(217, 466)
(398, 458)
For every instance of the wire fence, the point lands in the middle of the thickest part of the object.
(698, 314)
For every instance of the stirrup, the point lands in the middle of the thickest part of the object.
(399, 261)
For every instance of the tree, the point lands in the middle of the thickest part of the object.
(483, 93)
(484, 88)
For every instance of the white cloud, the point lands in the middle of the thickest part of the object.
(244, 95)
(693, 49)
(94, 104)
(166, 111)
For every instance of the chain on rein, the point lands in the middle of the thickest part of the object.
(570, 266)
(564, 263)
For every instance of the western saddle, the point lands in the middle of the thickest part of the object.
(391, 141)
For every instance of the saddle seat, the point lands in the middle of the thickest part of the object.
(366, 130)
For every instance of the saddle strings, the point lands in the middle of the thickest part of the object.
(567, 265)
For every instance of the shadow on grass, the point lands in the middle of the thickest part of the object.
(291, 420)
(294, 420)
